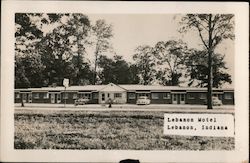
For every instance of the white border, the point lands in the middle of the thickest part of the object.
(240, 10)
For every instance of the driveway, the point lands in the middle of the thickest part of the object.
(131, 107)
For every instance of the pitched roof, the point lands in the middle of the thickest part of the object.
(137, 87)
(112, 88)
(128, 87)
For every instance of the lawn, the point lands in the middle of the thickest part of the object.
(116, 130)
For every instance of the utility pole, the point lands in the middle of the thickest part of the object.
(210, 70)
(64, 96)
(65, 84)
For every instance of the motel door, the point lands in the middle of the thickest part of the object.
(24, 97)
(55, 98)
(30, 97)
(27, 97)
(178, 98)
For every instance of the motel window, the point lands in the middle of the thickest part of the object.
(191, 96)
(166, 96)
(155, 95)
(36, 95)
(17, 95)
(103, 96)
(131, 96)
(95, 95)
(46, 95)
(228, 96)
(75, 96)
(182, 97)
(118, 95)
(203, 95)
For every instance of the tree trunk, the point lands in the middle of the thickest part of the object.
(95, 68)
(78, 63)
(22, 104)
(210, 71)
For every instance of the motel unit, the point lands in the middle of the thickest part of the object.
(122, 94)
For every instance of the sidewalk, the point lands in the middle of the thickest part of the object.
(130, 107)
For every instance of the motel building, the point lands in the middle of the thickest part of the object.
(122, 94)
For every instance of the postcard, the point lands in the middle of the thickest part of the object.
(106, 81)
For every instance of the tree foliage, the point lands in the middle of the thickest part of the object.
(102, 32)
(55, 54)
(28, 66)
(197, 69)
(52, 46)
(145, 62)
(170, 56)
(63, 51)
(28, 71)
(117, 71)
(212, 30)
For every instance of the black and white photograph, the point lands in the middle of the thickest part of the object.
(107, 81)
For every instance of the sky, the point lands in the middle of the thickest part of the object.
(132, 30)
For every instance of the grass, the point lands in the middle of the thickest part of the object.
(116, 130)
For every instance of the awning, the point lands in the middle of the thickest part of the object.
(178, 92)
(84, 92)
(143, 92)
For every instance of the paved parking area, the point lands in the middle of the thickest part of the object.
(130, 107)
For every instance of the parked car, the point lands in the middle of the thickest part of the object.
(143, 100)
(216, 101)
(81, 101)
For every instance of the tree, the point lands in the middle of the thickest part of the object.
(52, 45)
(29, 71)
(133, 77)
(115, 70)
(105, 75)
(121, 70)
(28, 66)
(102, 33)
(56, 54)
(145, 62)
(79, 27)
(170, 56)
(197, 69)
(84, 72)
(63, 50)
(212, 30)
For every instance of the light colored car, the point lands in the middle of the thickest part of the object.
(216, 101)
(143, 100)
(81, 101)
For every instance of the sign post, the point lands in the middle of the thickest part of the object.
(65, 84)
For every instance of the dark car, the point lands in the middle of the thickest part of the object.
(81, 101)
